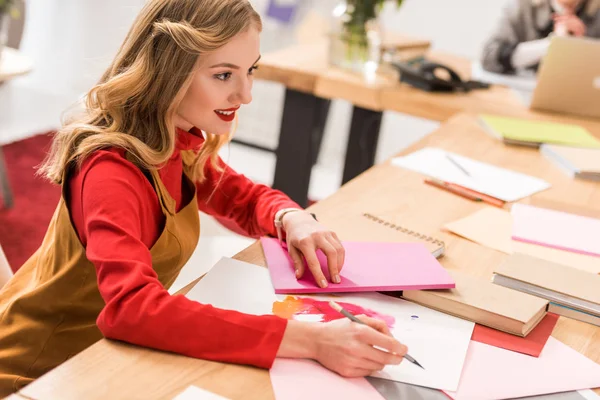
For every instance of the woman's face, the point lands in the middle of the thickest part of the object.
(221, 83)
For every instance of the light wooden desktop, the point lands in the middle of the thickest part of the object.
(310, 82)
(114, 370)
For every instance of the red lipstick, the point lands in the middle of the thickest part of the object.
(227, 114)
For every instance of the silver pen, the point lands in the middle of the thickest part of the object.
(453, 161)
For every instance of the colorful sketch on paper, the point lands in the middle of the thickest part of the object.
(307, 309)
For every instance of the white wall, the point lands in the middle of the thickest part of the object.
(71, 42)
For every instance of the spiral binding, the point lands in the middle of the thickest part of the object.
(404, 230)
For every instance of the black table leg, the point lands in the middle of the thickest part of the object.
(319, 128)
(4, 183)
(301, 124)
(362, 143)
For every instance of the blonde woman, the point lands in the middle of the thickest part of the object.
(134, 172)
(523, 34)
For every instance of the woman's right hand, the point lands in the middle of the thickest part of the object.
(347, 347)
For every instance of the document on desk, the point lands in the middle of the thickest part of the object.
(475, 227)
(523, 80)
(494, 373)
(485, 178)
(438, 341)
(556, 229)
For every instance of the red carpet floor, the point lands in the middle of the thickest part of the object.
(22, 227)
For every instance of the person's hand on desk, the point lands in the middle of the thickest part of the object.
(569, 24)
(343, 346)
(304, 236)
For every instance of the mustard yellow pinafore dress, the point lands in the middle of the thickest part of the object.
(48, 310)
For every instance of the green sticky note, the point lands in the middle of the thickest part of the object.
(522, 130)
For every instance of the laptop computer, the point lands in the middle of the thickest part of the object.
(569, 78)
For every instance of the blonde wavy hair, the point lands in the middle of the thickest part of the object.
(133, 105)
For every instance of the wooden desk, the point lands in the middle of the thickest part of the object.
(115, 370)
(302, 69)
(310, 84)
(12, 65)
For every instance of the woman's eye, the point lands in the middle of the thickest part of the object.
(224, 76)
(251, 70)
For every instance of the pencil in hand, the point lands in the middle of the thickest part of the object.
(352, 317)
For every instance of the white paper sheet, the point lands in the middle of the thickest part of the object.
(523, 81)
(485, 178)
(208, 252)
(195, 393)
(236, 285)
(438, 341)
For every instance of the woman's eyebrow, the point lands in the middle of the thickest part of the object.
(229, 65)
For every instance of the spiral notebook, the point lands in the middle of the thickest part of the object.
(371, 228)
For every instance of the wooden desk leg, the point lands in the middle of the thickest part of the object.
(362, 143)
(7, 197)
(301, 124)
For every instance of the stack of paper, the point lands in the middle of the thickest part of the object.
(481, 177)
(368, 267)
(475, 227)
(533, 133)
(437, 340)
(556, 229)
(464, 369)
(522, 80)
(575, 161)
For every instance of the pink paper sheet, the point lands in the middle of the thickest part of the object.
(369, 266)
(494, 373)
(294, 379)
(556, 229)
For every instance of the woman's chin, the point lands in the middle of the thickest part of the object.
(224, 128)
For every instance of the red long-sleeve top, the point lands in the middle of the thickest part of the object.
(117, 215)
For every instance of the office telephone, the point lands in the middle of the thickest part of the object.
(422, 74)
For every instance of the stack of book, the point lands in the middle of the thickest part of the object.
(577, 162)
(572, 293)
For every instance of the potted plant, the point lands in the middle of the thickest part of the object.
(356, 35)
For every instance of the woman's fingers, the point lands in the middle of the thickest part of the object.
(297, 260)
(309, 250)
(332, 258)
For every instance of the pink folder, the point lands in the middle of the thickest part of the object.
(494, 373)
(369, 266)
(556, 229)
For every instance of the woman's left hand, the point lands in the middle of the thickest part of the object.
(304, 236)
